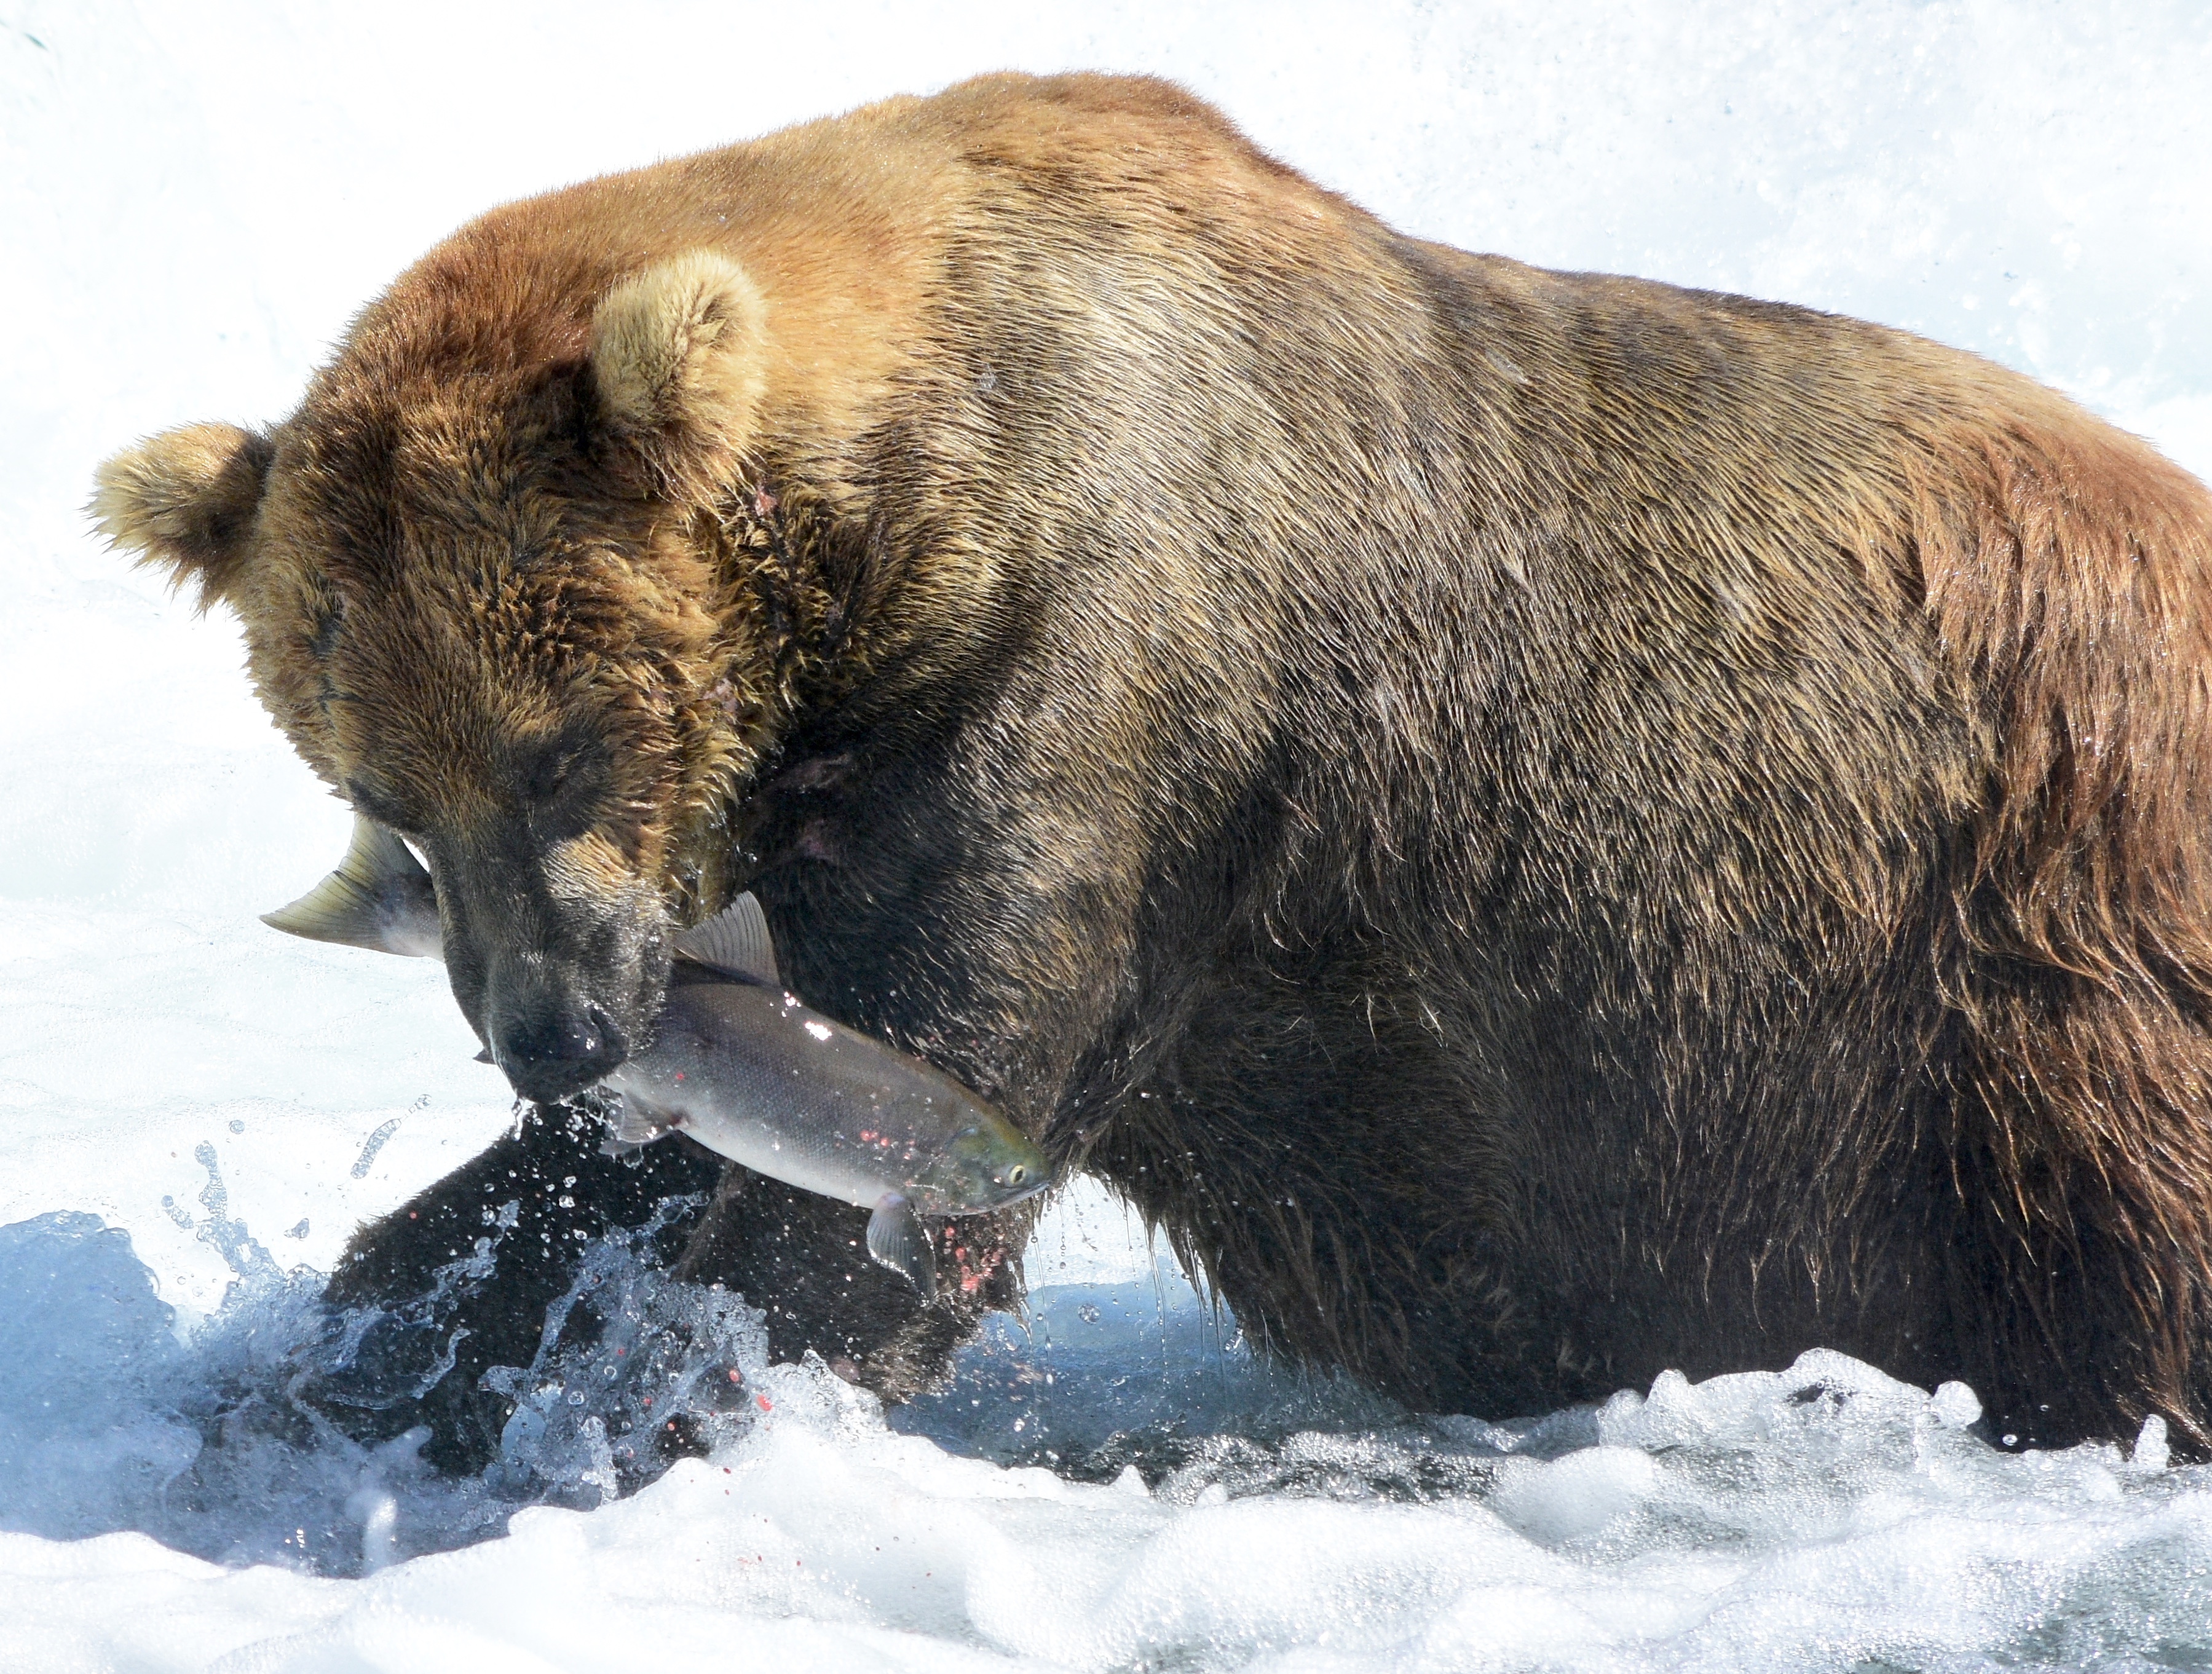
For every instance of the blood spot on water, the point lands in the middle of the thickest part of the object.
(736, 1376)
(765, 1405)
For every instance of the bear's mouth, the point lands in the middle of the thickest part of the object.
(557, 1025)
(551, 1057)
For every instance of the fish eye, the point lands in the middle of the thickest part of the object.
(1017, 1174)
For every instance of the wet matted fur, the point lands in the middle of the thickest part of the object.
(1545, 827)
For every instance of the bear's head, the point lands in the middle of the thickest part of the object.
(481, 597)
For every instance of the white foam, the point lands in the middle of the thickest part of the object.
(1825, 1515)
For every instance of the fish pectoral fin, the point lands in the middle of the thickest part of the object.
(631, 1127)
(898, 1240)
(735, 942)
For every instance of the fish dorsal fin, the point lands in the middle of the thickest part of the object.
(736, 943)
(898, 1240)
(354, 905)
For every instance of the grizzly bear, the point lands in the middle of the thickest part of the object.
(1544, 827)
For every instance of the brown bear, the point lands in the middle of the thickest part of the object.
(1544, 827)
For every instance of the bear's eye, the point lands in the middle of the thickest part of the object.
(548, 777)
(561, 780)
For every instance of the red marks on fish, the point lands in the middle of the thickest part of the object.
(764, 1403)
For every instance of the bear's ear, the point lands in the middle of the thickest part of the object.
(679, 359)
(185, 499)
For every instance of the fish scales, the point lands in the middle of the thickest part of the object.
(752, 1072)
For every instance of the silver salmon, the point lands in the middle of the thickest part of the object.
(744, 1067)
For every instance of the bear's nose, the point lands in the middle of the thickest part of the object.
(551, 1054)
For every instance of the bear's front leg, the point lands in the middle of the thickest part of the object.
(540, 1193)
(802, 1260)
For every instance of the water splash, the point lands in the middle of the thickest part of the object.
(372, 1145)
(1822, 1516)
(212, 1444)
(241, 1252)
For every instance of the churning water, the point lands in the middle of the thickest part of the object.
(1113, 1482)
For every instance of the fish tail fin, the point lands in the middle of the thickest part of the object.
(351, 906)
(898, 1240)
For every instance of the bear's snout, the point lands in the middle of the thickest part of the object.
(561, 981)
(552, 1052)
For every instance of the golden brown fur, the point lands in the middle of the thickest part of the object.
(1547, 827)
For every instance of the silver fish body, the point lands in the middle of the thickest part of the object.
(745, 1068)
(751, 1071)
